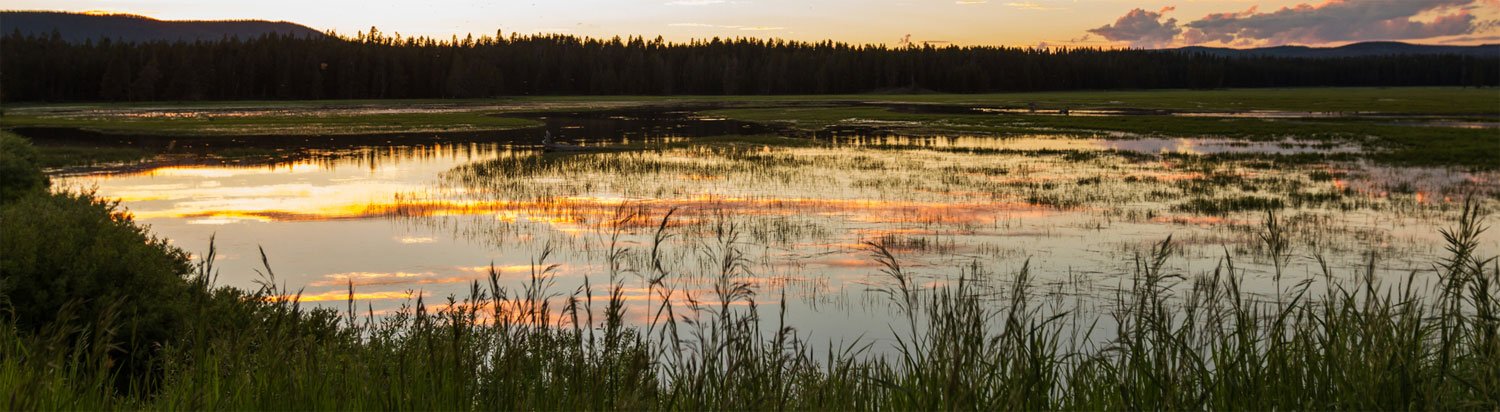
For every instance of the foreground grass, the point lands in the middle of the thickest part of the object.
(1181, 342)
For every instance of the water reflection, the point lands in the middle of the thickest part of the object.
(322, 187)
(399, 221)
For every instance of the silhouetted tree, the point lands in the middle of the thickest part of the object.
(375, 65)
(144, 86)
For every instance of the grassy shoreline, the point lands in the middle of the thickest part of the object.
(1392, 141)
(1182, 341)
(279, 124)
(1397, 137)
(1397, 100)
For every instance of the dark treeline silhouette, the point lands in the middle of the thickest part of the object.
(373, 65)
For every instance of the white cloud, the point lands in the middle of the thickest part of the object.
(1027, 5)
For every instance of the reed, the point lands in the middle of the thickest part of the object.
(1167, 340)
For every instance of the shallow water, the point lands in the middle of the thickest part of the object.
(400, 217)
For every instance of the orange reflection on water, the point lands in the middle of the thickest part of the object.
(457, 274)
(222, 172)
(575, 214)
(322, 190)
(348, 185)
(335, 296)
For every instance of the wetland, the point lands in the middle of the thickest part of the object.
(875, 232)
(418, 211)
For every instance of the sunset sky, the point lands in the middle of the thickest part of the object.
(1118, 23)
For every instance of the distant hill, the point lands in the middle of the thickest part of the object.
(1380, 48)
(76, 27)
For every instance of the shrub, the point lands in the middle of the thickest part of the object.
(19, 174)
(71, 259)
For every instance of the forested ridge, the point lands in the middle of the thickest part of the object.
(80, 27)
(39, 67)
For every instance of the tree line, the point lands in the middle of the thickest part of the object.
(375, 66)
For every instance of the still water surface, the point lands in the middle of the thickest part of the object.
(399, 218)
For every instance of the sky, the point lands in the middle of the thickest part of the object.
(1047, 23)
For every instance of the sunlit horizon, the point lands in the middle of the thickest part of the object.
(1033, 23)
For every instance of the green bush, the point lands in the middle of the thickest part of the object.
(19, 174)
(69, 258)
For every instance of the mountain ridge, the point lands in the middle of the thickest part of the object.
(1362, 49)
(80, 27)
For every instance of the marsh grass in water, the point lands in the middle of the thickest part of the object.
(1394, 141)
(1167, 340)
(1399, 133)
